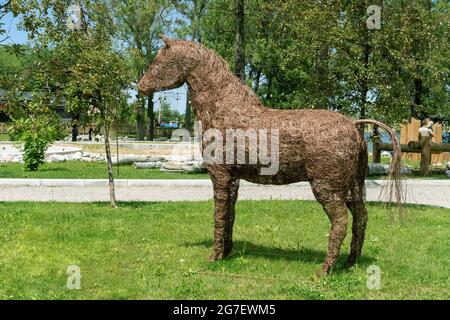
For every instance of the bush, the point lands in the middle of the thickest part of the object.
(36, 134)
(34, 147)
(34, 123)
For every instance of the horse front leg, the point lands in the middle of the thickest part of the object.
(234, 189)
(225, 195)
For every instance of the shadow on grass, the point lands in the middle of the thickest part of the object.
(52, 169)
(302, 254)
(393, 206)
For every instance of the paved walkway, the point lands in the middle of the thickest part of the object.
(430, 192)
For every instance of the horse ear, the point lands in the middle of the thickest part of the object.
(167, 41)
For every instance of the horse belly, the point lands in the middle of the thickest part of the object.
(285, 175)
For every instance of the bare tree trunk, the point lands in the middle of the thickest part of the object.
(322, 85)
(112, 192)
(140, 126)
(151, 118)
(364, 83)
(257, 81)
(140, 123)
(416, 110)
(187, 114)
(239, 54)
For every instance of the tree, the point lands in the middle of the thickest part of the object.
(258, 51)
(167, 113)
(82, 66)
(421, 54)
(96, 92)
(193, 12)
(139, 26)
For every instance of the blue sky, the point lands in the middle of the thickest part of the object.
(176, 98)
(16, 36)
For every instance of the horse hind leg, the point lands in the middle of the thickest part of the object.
(356, 203)
(334, 206)
(360, 217)
(338, 216)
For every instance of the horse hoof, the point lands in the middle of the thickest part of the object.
(216, 256)
(326, 270)
(227, 251)
(350, 263)
(320, 273)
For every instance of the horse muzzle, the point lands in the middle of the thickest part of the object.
(143, 88)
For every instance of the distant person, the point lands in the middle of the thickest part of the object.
(74, 132)
(91, 131)
(427, 129)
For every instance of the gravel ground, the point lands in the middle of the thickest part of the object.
(429, 192)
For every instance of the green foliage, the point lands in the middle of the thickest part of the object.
(191, 22)
(308, 55)
(15, 60)
(321, 55)
(138, 26)
(81, 65)
(9, 60)
(167, 113)
(34, 120)
(97, 80)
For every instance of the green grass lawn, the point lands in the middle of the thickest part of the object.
(97, 170)
(86, 170)
(387, 160)
(160, 251)
(4, 137)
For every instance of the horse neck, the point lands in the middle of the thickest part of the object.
(219, 98)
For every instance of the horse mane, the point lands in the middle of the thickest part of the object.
(215, 79)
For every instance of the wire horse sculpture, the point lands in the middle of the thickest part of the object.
(325, 148)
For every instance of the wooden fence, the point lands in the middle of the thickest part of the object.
(410, 132)
(415, 147)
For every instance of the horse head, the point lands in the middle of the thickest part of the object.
(170, 68)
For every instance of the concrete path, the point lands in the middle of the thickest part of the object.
(430, 192)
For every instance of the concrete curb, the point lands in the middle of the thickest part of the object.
(428, 192)
(175, 183)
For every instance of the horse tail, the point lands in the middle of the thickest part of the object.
(393, 187)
